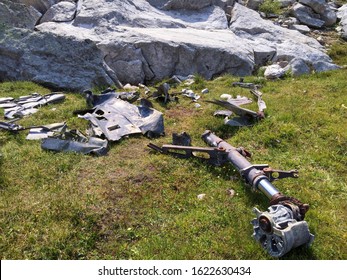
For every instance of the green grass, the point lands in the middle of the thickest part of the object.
(270, 7)
(137, 204)
(338, 52)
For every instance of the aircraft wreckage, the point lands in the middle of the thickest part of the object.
(282, 227)
(112, 116)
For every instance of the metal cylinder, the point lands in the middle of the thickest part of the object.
(252, 175)
(267, 188)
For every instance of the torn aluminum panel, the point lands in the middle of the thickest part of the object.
(239, 100)
(7, 102)
(6, 99)
(238, 121)
(261, 102)
(11, 126)
(222, 113)
(114, 118)
(74, 141)
(46, 131)
(26, 105)
(242, 112)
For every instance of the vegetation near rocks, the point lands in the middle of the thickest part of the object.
(137, 204)
(270, 7)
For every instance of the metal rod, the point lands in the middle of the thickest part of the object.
(252, 175)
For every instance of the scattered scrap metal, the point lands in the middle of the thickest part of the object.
(282, 227)
(26, 105)
(15, 109)
(163, 94)
(111, 117)
(36, 132)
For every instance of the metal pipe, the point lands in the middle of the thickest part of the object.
(267, 188)
(252, 175)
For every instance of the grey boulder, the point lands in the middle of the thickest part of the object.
(61, 12)
(15, 14)
(342, 15)
(282, 44)
(307, 16)
(56, 61)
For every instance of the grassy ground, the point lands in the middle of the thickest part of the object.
(138, 204)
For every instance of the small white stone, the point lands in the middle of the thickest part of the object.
(201, 196)
(226, 96)
(231, 192)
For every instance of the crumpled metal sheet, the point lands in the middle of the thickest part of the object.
(46, 131)
(74, 141)
(114, 118)
(26, 105)
(239, 100)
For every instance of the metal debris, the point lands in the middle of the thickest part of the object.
(242, 84)
(182, 139)
(11, 126)
(163, 95)
(223, 113)
(190, 94)
(239, 100)
(36, 132)
(45, 131)
(26, 105)
(245, 117)
(113, 118)
(75, 141)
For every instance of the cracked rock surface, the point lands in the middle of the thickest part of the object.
(79, 44)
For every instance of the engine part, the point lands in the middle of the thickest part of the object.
(278, 231)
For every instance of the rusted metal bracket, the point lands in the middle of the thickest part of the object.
(274, 174)
(215, 156)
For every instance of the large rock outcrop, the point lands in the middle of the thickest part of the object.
(342, 15)
(68, 62)
(103, 42)
(273, 43)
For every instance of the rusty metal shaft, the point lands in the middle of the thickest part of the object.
(253, 175)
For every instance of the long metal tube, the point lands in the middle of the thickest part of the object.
(252, 175)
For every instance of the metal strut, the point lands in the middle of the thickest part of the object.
(282, 227)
